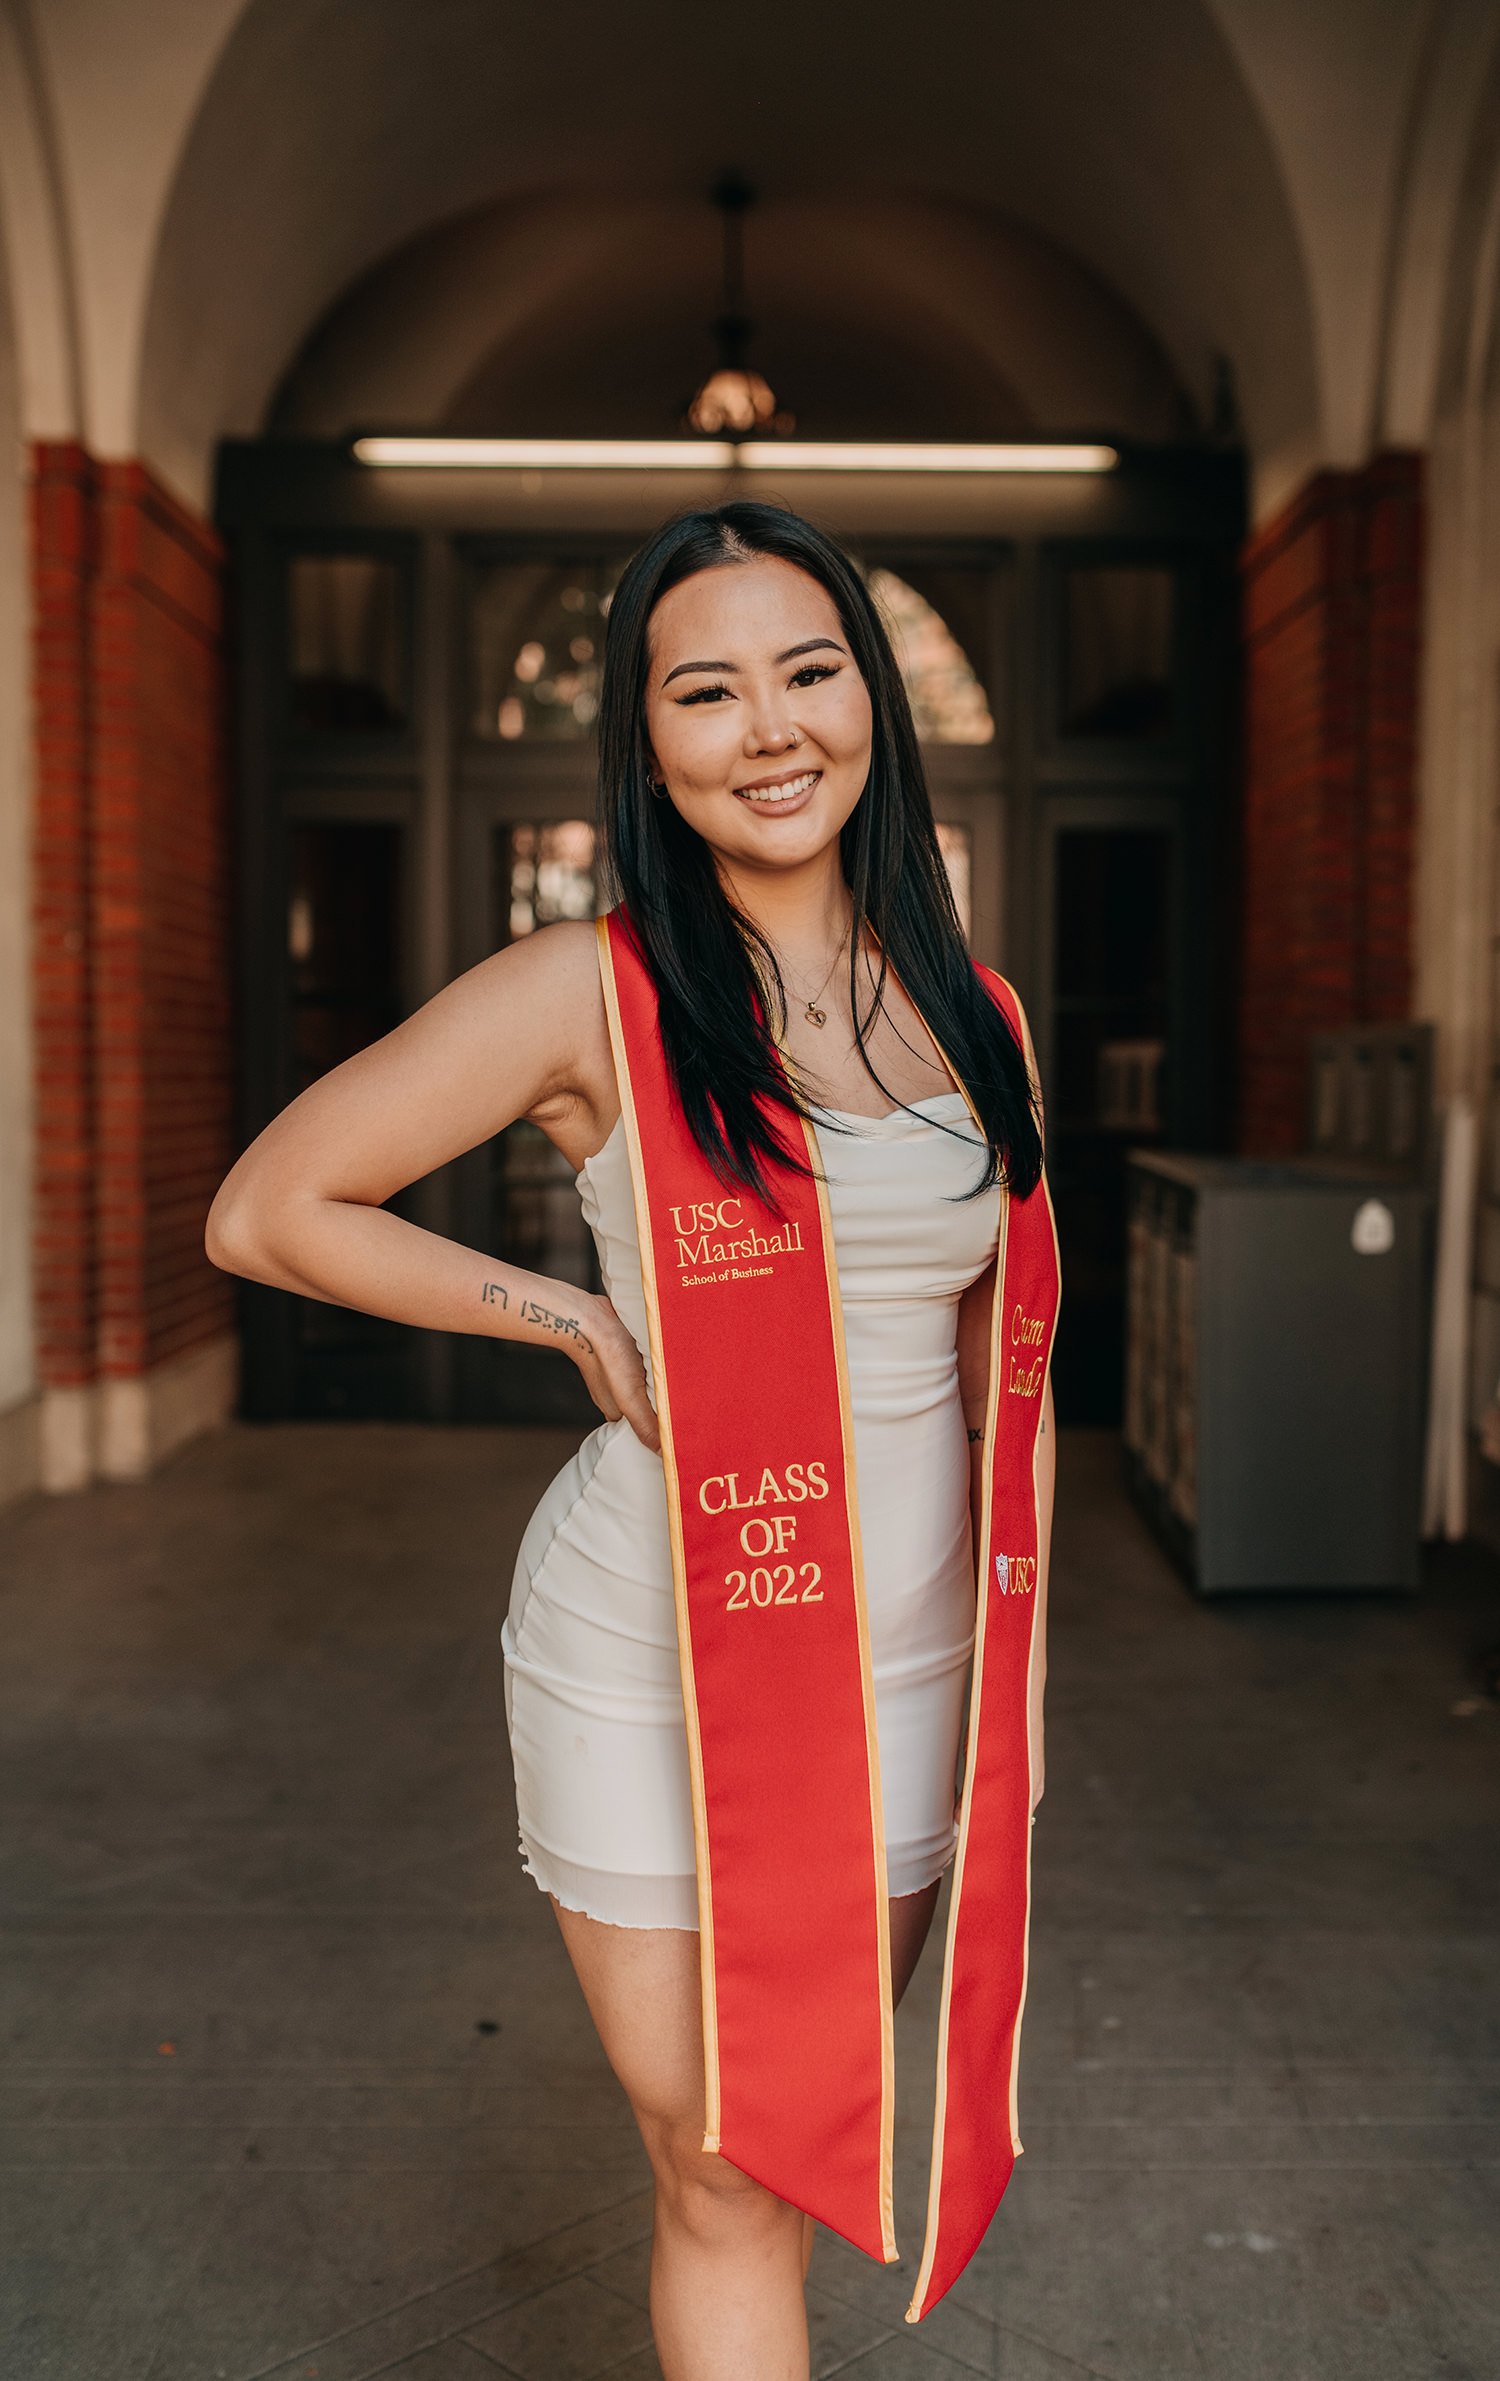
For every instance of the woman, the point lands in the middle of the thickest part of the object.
(771, 840)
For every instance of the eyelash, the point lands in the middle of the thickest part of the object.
(809, 675)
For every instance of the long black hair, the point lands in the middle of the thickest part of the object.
(722, 1001)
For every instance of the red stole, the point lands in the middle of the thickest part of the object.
(752, 1396)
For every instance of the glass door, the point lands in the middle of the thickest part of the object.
(525, 860)
(1114, 932)
(948, 618)
(531, 644)
(969, 809)
(416, 788)
(331, 811)
(348, 893)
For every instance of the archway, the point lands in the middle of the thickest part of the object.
(507, 265)
(292, 191)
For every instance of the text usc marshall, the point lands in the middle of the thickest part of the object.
(714, 1232)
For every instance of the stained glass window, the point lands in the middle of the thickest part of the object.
(538, 642)
(948, 703)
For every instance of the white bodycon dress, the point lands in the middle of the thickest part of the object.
(593, 1690)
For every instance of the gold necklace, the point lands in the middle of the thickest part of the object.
(813, 1014)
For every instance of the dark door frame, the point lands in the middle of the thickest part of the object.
(1184, 507)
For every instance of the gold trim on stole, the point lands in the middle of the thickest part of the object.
(976, 1688)
(872, 1735)
(706, 1971)
(1043, 1566)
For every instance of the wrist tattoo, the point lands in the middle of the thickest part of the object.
(975, 1436)
(494, 1294)
(565, 1326)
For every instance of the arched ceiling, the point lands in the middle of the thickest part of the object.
(878, 317)
(330, 139)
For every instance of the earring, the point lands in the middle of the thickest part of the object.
(657, 789)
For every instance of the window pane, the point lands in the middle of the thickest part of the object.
(549, 874)
(1111, 986)
(956, 845)
(345, 663)
(948, 703)
(343, 941)
(538, 640)
(345, 964)
(1117, 659)
(544, 871)
(1110, 1015)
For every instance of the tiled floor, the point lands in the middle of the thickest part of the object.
(297, 2082)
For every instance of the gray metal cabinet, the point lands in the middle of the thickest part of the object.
(1276, 1358)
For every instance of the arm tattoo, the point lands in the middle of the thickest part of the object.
(566, 1326)
(975, 1436)
(494, 1293)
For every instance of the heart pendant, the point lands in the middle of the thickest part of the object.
(816, 1016)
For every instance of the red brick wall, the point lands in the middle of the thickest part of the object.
(132, 923)
(62, 534)
(1393, 582)
(1332, 594)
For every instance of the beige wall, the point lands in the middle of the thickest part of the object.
(1458, 923)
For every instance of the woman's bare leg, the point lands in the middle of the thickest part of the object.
(726, 2254)
(728, 2258)
(911, 1916)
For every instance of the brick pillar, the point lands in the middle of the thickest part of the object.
(1332, 632)
(131, 966)
(1393, 645)
(62, 531)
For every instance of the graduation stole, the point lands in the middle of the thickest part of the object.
(752, 1396)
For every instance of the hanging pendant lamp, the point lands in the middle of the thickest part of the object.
(734, 401)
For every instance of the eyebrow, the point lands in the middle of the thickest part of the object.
(808, 645)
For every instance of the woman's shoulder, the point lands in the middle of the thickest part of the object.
(539, 999)
(539, 1004)
(567, 951)
(557, 963)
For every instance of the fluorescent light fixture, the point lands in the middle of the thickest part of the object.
(717, 454)
(808, 455)
(548, 454)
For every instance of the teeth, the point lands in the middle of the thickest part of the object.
(780, 793)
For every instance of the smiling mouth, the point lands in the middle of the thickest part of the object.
(776, 794)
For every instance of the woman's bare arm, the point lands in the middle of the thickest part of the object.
(523, 1034)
